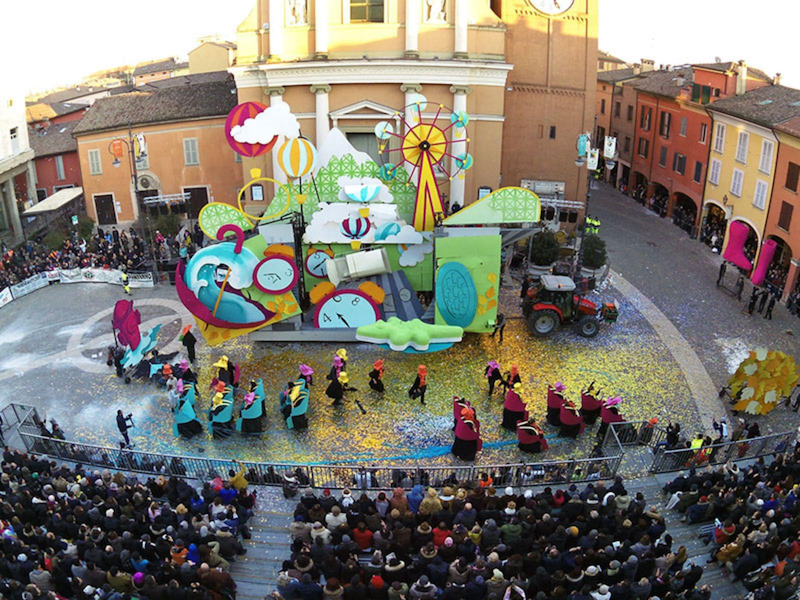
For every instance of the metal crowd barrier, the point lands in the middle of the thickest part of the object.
(678, 459)
(635, 433)
(604, 464)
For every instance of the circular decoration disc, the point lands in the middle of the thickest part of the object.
(424, 138)
(384, 130)
(459, 119)
(387, 172)
(464, 161)
(275, 275)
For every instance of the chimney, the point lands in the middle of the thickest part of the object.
(637, 69)
(777, 79)
(648, 65)
(680, 81)
(741, 78)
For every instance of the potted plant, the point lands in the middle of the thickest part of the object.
(544, 253)
(594, 256)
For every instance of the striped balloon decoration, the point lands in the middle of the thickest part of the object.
(297, 157)
(355, 228)
(240, 113)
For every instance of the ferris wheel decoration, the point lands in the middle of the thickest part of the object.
(423, 148)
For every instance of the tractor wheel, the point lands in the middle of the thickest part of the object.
(587, 326)
(543, 322)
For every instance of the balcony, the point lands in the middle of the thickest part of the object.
(10, 166)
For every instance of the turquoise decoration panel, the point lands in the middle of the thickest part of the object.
(456, 295)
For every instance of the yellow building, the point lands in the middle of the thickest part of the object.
(212, 55)
(527, 65)
(742, 158)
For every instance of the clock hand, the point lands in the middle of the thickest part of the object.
(558, 6)
(221, 291)
(343, 319)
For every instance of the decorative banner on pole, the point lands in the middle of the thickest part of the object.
(139, 146)
(610, 147)
(116, 148)
(594, 157)
(583, 144)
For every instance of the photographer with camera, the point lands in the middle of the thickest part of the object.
(124, 422)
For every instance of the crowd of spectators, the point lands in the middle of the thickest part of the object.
(753, 517)
(92, 535)
(104, 249)
(595, 543)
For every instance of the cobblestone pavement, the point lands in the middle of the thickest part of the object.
(678, 275)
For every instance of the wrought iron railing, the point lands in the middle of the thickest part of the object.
(604, 464)
(665, 460)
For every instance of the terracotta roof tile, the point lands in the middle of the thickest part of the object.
(765, 106)
(55, 139)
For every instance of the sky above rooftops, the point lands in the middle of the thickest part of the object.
(53, 43)
(687, 31)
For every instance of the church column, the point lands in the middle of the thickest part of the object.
(458, 183)
(462, 19)
(12, 213)
(276, 97)
(30, 179)
(275, 28)
(412, 28)
(409, 89)
(321, 29)
(321, 91)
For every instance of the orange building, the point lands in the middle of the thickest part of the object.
(188, 161)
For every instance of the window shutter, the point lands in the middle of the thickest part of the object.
(785, 218)
(792, 176)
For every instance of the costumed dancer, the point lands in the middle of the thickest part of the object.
(186, 424)
(189, 341)
(609, 414)
(571, 422)
(493, 375)
(184, 372)
(251, 418)
(514, 409)
(468, 435)
(555, 398)
(221, 414)
(459, 404)
(512, 378)
(530, 436)
(420, 385)
(590, 405)
(376, 376)
(224, 370)
(294, 404)
(307, 373)
(336, 369)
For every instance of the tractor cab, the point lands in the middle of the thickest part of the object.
(558, 291)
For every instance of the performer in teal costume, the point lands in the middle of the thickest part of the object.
(251, 419)
(186, 422)
(221, 414)
(294, 404)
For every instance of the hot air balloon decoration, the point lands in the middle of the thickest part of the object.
(240, 114)
(355, 228)
(297, 157)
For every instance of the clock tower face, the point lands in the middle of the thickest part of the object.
(346, 308)
(552, 7)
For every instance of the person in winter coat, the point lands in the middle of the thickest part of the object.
(415, 498)
(430, 504)
(490, 535)
(475, 589)
(356, 590)
(398, 590)
(398, 501)
(497, 584)
(423, 589)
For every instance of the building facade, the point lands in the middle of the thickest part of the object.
(56, 159)
(783, 216)
(186, 152)
(524, 77)
(744, 150)
(158, 70)
(212, 55)
(16, 160)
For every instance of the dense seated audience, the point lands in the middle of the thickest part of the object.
(595, 543)
(78, 533)
(104, 250)
(756, 520)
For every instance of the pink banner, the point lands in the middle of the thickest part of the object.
(767, 252)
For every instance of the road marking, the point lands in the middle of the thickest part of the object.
(703, 391)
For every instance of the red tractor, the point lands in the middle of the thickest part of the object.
(554, 301)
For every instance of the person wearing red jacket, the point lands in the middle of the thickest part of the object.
(440, 534)
(362, 536)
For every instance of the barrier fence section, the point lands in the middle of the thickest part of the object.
(635, 433)
(136, 279)
(595, 468)
(666, 461)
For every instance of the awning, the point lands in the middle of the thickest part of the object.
(58, 200)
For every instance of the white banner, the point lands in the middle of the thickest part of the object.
(5, 297)
(31, 284)
(112, 276)
(610, 147)
(594, 156)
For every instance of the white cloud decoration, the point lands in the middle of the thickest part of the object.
(416, 253)
(274, 120)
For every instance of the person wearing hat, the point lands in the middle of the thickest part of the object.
(220, 415)
(530, 437)
(590, 404)
(420, 385)
(467, 435)
(184, 372)
(602, 593)
(555, 398)
(251, 417)
(189, 341)
(307, 373)
(572, 424)
(514, 409)
(493, 375)
(423, 589)
(376, 375)
(294, 403)
(497, 584)
(609, 414)
(337, 387)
